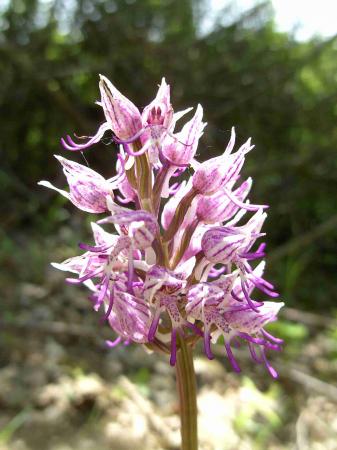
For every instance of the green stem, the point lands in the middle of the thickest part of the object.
(179, 214)
(186, 386)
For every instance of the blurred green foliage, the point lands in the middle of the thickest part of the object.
(245, 73)
(7, 432)
(263, 406)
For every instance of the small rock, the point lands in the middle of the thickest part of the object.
(33, 291)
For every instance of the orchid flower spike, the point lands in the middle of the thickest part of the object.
(178, 263)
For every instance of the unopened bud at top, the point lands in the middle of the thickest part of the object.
(121, 114)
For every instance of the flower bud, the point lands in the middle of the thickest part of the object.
(181, 148)
(121, 114)
(216, 173)
(221, 244)
(88, 189)
(218, 207)
(141, 226)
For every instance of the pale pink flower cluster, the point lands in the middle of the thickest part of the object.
(176, 263)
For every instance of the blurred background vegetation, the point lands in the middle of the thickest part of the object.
(244, 72)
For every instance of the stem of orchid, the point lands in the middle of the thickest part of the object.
(158, 185)
(131, 176)
(179, 215)
(161, 251)
(144, 179)
(186, 387)
(140, 178)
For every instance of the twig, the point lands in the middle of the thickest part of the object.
(310, 382)
(301, 433)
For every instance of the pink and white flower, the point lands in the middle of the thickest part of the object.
(179, 264)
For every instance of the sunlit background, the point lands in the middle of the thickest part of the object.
(270, 69)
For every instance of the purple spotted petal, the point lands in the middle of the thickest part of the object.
(130, 317)
(158, 277)
(202, 295)
(249, 321)
(219, 246)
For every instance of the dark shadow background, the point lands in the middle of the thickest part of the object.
(244, 73)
